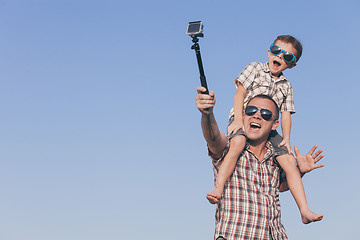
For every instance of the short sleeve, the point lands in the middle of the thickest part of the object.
(288, 101)
(247, 76)
(217, 161)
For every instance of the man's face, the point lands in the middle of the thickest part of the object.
(256, 128)
(276, 62)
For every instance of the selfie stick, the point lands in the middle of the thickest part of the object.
(195, 31)
(196, 47)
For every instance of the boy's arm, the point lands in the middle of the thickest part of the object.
(238, 109)
(286, 129)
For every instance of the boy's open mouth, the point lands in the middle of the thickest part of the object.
(276, 63)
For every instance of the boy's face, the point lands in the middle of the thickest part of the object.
(276, 62)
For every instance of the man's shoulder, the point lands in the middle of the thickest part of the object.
(217, 159)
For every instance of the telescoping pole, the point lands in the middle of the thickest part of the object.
(196, 47)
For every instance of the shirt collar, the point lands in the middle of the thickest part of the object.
(267, 70)
(268, 154)
(269, 150)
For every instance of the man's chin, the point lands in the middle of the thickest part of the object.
(253, 136)
(256, 137)
(253, 133)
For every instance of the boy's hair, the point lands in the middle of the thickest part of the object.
(276, 113)
(296, 44)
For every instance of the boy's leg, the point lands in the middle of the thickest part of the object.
(237, 144)
(293, 177)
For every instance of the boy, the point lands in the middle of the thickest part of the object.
(267, 79)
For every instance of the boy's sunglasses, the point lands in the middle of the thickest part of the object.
(276, 50)
(265, 114)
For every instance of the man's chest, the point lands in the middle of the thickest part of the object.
(254, 176)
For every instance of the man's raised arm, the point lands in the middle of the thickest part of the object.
(215, 139)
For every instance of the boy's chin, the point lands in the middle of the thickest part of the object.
(276, 71)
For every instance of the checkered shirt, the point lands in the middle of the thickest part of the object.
(250, 204)
(256, 79)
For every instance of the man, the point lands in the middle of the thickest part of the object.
(250, 207)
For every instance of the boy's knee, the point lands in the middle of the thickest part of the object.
(238, 141)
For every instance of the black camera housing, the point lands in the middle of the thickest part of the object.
(195, 29)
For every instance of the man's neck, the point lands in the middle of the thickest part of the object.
(258, 148)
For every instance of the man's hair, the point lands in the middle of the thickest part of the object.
(276, 113)
(296, 44)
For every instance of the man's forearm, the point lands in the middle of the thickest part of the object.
(215, 139)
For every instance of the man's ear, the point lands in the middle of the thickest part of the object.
(275, 125)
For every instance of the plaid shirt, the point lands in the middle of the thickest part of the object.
(250, 204)
(256, 79)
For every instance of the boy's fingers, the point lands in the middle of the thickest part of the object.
(288, 149)
(318, 153)
(319, 158)
(312, 150)
(296, 151)
(319, 166)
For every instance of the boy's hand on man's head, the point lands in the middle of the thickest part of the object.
(205, 102)
(307, 163)
(235, 126)
(286, 142)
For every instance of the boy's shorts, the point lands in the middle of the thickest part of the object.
(274, 138)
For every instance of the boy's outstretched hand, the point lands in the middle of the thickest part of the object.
(307, 163)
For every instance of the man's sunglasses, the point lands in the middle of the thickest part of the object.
(276, 50)
(265, 114)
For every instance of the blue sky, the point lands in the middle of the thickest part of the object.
(100, 137)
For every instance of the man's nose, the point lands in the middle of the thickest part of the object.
(257, 115)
